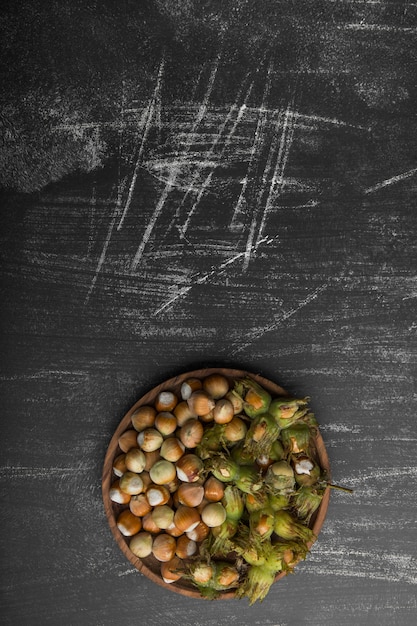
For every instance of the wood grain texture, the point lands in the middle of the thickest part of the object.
(184, 186)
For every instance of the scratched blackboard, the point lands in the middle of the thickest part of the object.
(192, 184)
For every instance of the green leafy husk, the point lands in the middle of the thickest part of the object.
(287, 411)
(241, 455)
(263, 432)
(224, 576)
(220, 538)
(256, 501)
(287, 527)
(256, 399)
(246, 477)
(211, 442)
(278, 501)
(234, 505)
(297, 438)
(261, 575)
(261, 523)
(276, 452)
(311, 475)
(248, 547)
(249, 480)
(280, 478)
(306, 501)
(223, 467)
(257, 583)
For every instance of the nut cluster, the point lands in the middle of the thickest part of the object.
(215, 469)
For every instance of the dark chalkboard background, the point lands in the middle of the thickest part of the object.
(191, 184)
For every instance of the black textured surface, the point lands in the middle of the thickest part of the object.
(250, 205)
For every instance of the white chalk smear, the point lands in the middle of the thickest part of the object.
(287, 136)
(175, 171)
(258, 140)
(211, 153)
(282, 317)
(24, 472)
(199, 279)
(377, 28)
(391, 181)
(151, 224)
(103, 254)
(151, 113)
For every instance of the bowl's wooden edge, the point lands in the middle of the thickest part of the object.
(107, 473)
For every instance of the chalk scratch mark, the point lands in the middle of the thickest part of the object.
(91, 229)
(378, 28)
(199, 279)
(103, 254)
(278, 179)
(171, 184)
(204, 186)
(391, 181)
(328, 120)
(258, 140)
(203, 106)
(200, 116)
(152, 111)
(211, 152)
(154, 102)
(151, 224)
(282, 317)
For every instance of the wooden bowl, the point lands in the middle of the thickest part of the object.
(149, 566)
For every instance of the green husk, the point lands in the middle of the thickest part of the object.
(278, 501)
(249, 480)
(256, 501)
(287, 527)
(306, 501)
(306, 479)
(261, 523)
(250, 548)
(223, 468)
(224, 576)
(219, 540)
(297, 438)
(241, 455)
(249, 390)
(257, 583)
(234, 505)
(263, 432)
(211, 442)
(287, 411)
(276, 452)
(261, 576)
(280, 478)
(246, 477)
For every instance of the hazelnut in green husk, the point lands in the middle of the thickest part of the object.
(273, 559)
(262, 433)
(306, 501)
(287, 527)
(261, 523)
(306, 471)
(297, 438)
(256, 399)
(256, 501)
(280, 478)
(234, 506)
(245, 477)
(212, 577)
(287, 411)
